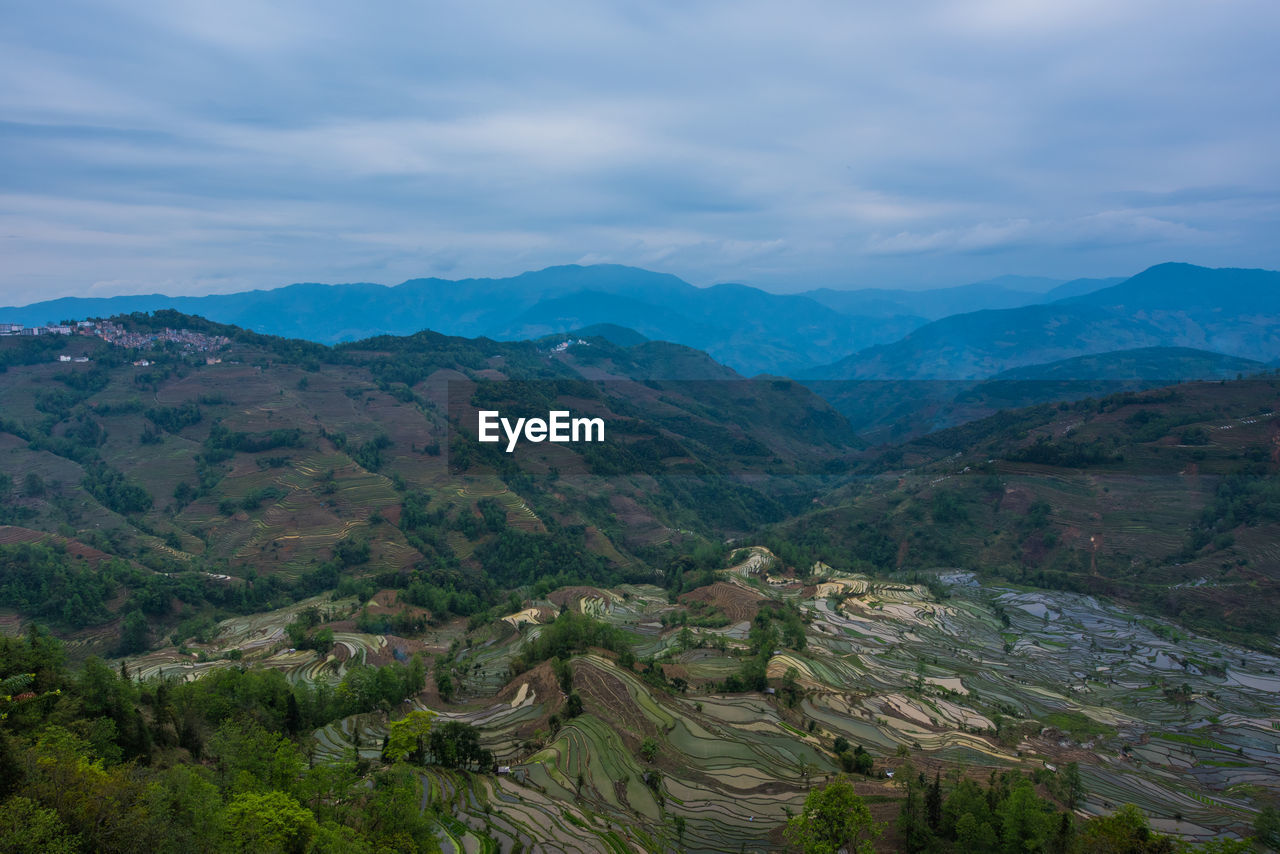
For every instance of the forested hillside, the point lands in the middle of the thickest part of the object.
(301, 608)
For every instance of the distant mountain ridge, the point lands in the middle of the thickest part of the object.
(751, 330)
(820, 334)
(936, 303)
(883, 410)
(1175, 364)
(1230, 311)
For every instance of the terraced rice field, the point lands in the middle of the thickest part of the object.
(261, 638)
(1067, 678)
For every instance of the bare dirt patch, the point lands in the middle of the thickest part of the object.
(736, 602)
(571, 595)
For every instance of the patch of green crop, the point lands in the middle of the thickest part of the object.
(1078, 725)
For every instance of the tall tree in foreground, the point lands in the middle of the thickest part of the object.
(834, 819)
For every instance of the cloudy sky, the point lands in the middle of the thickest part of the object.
(211, 147)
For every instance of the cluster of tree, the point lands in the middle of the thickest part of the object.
(1250, 496)
(689, 566)
(30, 350)
(855, 760)
(1010, 814)
(410, 359)
(453, 744)
(1147, 425)
(516, 559)
(115, 491)
(721, 502)
(45, 582)
(367, 454)
(98, 762)
(438, 583)
(948, 508)
(128, 406)
(1065, 454)
(526, 397)
(351, 551)
(78, 386)
(252, 500)
(700, 615)
(775, 625)
(171, 419)
(401, 623)
(436, 591)
(815, 536)
(222, 443)
(1007, 816)
(568, 634)
(614, 457)
(834, 819)
(65, 444)
(425, 528)
(490, 518)
(303, 634)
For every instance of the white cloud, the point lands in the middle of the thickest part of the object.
(189, 145)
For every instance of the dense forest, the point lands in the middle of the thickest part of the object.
(96, 761)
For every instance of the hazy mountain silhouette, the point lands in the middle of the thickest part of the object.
(1230, 311)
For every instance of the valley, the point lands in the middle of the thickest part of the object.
(985, 677)
(666, 641)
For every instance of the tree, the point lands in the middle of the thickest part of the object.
(933, 802)
(913, 822)
(457, 745)
(974, 836)
(1025, 820)
(444, 685)
(10, 769)
(190, 802)
(408, 737)
(292, 715)
(967, 798)
(252, 758)
(1126, 831)
(1267, 827)
(1072, 785)
(322, 642)
(834, 818)
(33, 485)
(27, 826)
(133, 633)
(1226, 846)
(269, 822)
(394, 816)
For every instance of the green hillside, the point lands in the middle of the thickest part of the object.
(294, 464)
(333, 616)
(1164, 498)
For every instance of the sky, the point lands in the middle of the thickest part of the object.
(190, 148)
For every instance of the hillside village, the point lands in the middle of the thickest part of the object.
(113, 333)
